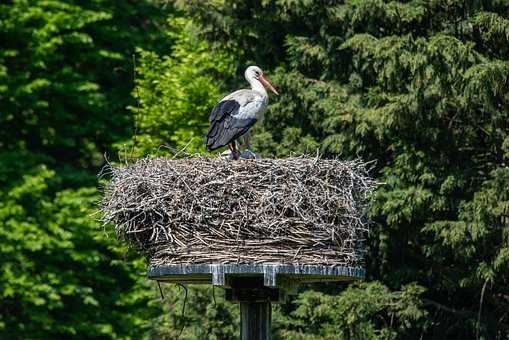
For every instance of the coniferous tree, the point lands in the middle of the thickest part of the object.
(421, 87)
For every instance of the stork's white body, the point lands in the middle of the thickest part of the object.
(253, 104)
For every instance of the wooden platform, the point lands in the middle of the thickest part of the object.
(273, 275)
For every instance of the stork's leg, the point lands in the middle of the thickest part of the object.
(248, 153)
(233, 149)
(247, 141)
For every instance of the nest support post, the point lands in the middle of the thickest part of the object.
(255, 301)
(255, 320)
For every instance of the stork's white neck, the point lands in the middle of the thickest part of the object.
(257, 86)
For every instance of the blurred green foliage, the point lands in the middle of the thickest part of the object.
(60, 274)
(65, 82)
(419, 86)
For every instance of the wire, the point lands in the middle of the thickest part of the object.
(183, 309)
(160, 290)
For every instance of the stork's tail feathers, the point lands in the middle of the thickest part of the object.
(211, 144)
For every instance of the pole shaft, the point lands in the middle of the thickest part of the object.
(255, 320)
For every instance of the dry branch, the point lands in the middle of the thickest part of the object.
(200, 210)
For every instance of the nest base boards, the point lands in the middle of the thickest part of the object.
(273, 275)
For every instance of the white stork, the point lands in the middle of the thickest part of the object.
(234, 115)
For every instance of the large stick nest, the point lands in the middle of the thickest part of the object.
(198, 210)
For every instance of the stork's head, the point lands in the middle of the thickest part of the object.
(254, 72)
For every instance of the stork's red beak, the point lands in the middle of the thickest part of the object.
(265, 82)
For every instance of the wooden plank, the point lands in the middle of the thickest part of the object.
(218, 274)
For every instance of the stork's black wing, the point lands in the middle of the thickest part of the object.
(224, 126)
